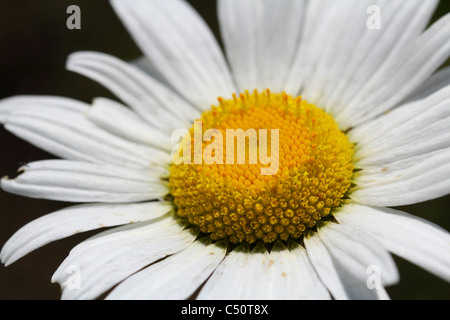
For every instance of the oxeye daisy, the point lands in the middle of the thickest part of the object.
(340, 116)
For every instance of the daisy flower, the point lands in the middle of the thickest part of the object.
(362, 118)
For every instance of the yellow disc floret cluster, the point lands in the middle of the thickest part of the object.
(234, 201)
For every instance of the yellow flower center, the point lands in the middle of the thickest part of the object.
(308, 175)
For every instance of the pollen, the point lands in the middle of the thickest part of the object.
(233, 200)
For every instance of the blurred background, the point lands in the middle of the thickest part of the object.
(34, 45)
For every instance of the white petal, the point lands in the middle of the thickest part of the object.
(409, 237)
(282, 275)
(342, 27)
(382, 294)
(435, 83)
(260, 39)
(400, 75)
(73, 220)
(142, 63)
(413, 129)
(402, 21)
(175, 278)
(357, 252)
(426, 180)
(376, 173)
(342, 284)
(59, 126)
(361, 289)
(72, 181)
(155, 103)
(306, 284)
(339, 53)
(323, 264)
(108, 258)
(304, 60)
(180, 46)
(118, 119)
(49, 103)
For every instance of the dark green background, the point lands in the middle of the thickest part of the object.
(34, 45)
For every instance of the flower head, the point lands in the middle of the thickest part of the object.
(291, 152)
